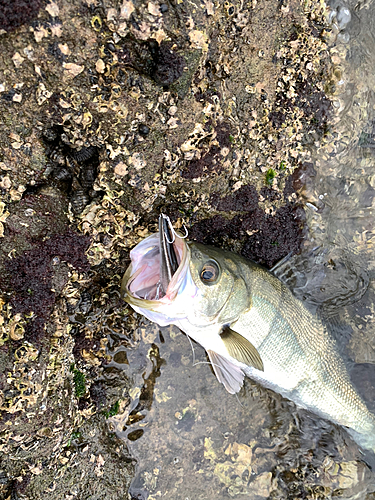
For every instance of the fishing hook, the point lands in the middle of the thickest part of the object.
(172, 230)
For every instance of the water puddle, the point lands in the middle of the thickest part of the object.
(192, 439)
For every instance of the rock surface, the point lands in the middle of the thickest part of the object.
(110, 114)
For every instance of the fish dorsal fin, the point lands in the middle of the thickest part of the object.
(241, 349)
(230, 375)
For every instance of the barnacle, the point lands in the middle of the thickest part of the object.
(122, 92)
(230, 8)
(96, 23)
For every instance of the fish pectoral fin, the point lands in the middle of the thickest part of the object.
(241, 349)
(230, 375)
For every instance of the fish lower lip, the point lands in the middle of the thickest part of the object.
(168, 259)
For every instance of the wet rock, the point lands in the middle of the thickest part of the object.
(263, 485)
(18, 13)
(169, 66)
(349, 475)
(228, 93)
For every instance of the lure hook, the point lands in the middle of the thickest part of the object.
(172, 230)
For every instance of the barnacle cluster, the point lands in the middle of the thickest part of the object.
(113, 113)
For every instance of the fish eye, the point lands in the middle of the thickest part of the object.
(210, 272)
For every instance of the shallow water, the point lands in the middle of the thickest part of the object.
(343, 189)
(194, 440)
(191, 438)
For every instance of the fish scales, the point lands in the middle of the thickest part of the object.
(249, 322)
(300, 358)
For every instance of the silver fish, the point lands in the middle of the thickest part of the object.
(248, 322)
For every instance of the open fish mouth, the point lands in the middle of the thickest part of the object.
(158, 266)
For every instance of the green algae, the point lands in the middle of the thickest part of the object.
(79, 381)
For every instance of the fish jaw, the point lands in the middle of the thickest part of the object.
(141, 280)
(168, 260)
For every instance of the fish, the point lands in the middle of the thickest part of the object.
(248, 322)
